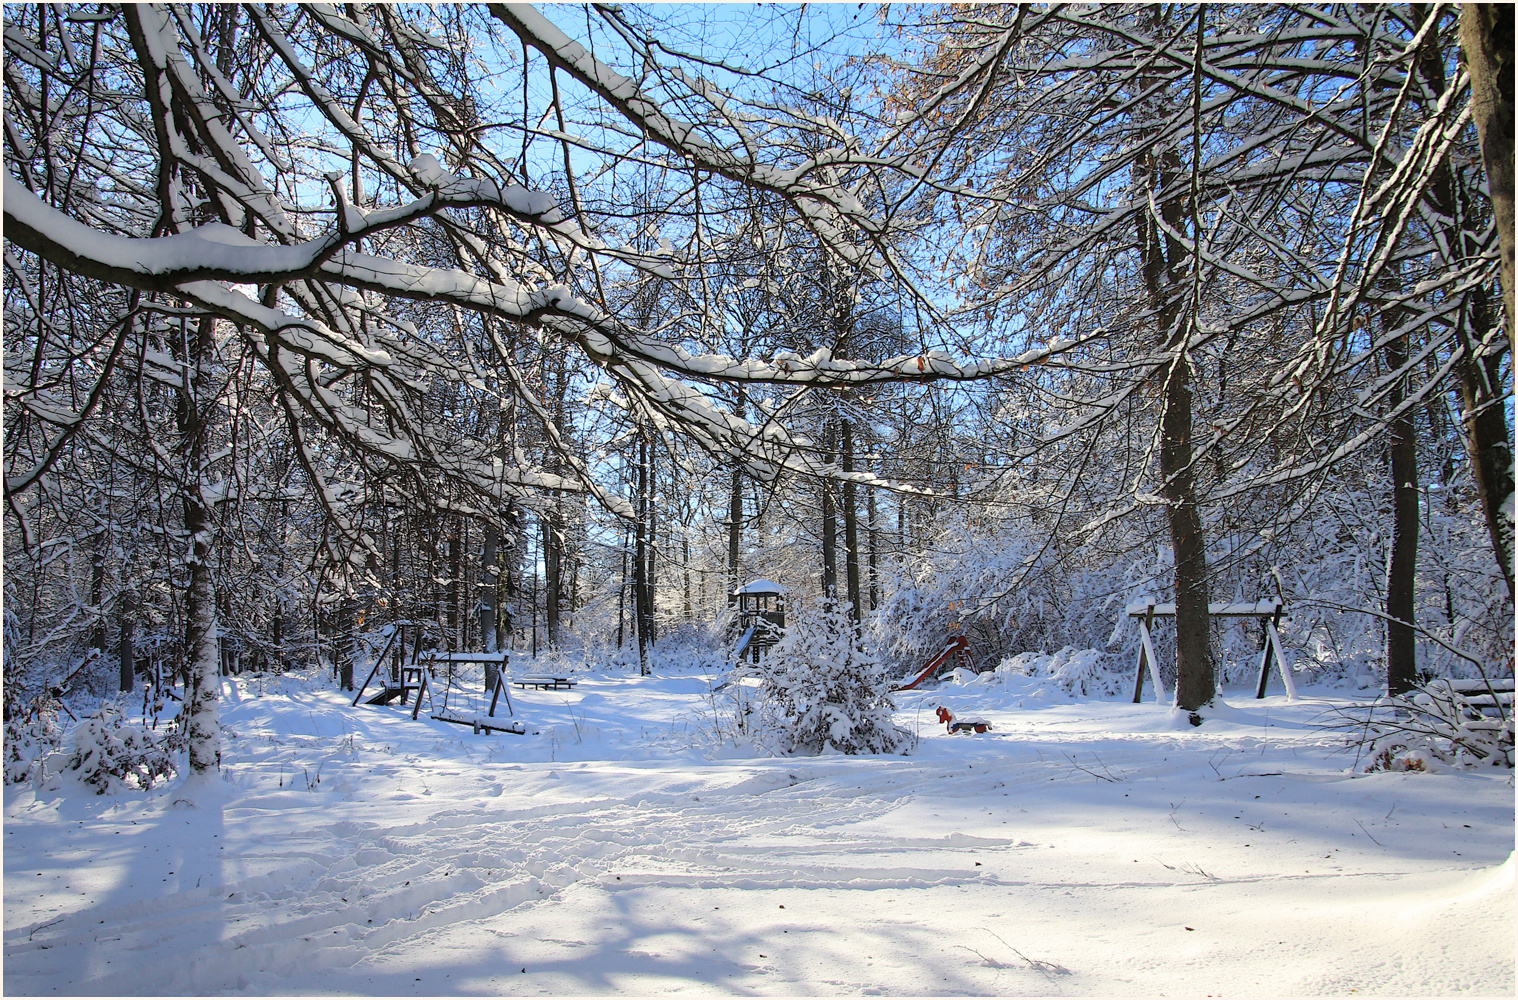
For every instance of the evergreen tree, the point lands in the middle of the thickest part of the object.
(822, 689)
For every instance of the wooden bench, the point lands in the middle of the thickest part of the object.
(1490, 697)
(545, 683)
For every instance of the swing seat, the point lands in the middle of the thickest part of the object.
(483, 724)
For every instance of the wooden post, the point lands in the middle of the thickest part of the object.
(1145, 659)
(1286, 678)
(1259, 691)
(1271, 649)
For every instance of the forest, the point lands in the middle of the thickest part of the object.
(542, 331)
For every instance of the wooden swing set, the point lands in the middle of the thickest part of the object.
(405, 678)
(1268, 611)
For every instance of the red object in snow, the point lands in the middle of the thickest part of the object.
(947, 718)
(958, 648)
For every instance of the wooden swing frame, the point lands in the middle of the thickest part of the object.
(1270, 610)
(499, 688)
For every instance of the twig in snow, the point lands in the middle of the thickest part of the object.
(1373, 840)
(1192, 868)
(1044, 968)
(1081, 767)
(41, 926)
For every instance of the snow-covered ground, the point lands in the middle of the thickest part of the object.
(625, 845)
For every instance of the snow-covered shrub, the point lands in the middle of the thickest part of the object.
(30, 737)
(1433, 723)
(1086, 672)
(822, 689)
(111, 755)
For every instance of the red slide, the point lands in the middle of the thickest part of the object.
(959, 645)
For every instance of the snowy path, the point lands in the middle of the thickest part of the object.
(1079, 849)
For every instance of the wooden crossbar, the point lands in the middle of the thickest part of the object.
(1259, 609)
(466, 657)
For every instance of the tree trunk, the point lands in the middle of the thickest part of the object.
(1483, 416)
(1195, 684)
(1486, 38)
(622, 594)
(734, 532)
(850, 524)
(685, 573)
(553, 575)
(127, 654)
(874, 535)
(1164, 269)
(642, 557)
(277, 622)
(455, 581)
(829, 532)
(343, 643)
(97, 590)
(202, 681)
(652, 577)
(1402, 559)
(508, 615)
(1484, 420)
(901, 531)
(488, 587)
(735, 512)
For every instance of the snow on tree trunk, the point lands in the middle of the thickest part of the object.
(199, 719)
(822, 690)
(203, 688)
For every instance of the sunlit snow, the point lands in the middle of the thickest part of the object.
(630, 844)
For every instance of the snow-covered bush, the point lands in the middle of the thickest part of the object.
(1086, 672)
(1433, 723)
(111, 755)
(996, 575)
(28, 738)
(822, 689)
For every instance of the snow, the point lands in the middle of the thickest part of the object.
(761, 587)
(628, 844)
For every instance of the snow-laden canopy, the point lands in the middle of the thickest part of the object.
(194, 191)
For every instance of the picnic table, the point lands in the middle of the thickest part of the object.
(545, 683)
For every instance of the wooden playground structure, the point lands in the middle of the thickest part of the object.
(405, 678)
(956, 653)
(760, 619)
(1268, 611)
